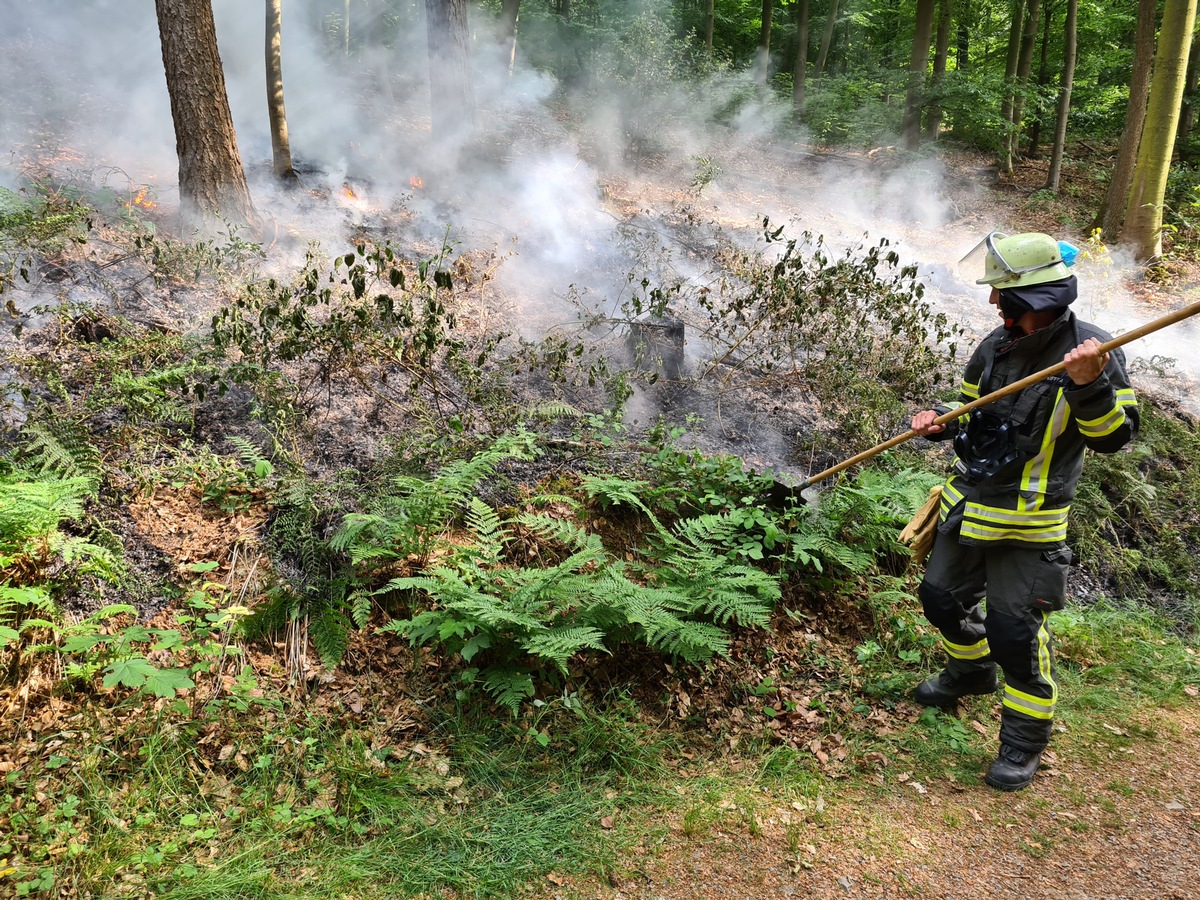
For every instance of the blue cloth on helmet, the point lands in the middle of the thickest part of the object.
(1037, 297)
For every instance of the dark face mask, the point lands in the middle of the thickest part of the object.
(1058, 295)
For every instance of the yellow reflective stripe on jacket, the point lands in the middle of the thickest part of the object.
(980, 650)
(1126, 397)
(970, 390)
(1105, 425)
(951, 496)
(1033, 479)
(990, 523)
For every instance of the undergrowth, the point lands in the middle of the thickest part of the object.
(503, 590)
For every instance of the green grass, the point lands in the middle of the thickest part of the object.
(306, 808)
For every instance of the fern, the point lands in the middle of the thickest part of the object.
(553, 409)
(508, 686)
(614, 490)
(62, 448)
(16, 603)
(251, 456)
(557, 645)
(329, 629)
(34, 507)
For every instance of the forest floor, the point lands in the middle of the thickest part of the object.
(1118, 822)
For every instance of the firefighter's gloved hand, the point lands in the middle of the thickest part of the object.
(1085, 363)
(922, 423)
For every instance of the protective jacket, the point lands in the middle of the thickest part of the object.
(1034, 439)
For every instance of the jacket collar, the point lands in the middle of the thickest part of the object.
(1039, 340)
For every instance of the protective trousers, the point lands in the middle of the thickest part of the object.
(991, 605)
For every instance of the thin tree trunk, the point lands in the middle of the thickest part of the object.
(510, 11)
(709, 18)
(918, 66)
(826, 39)
(1064, 95)
(1110, 218)
(933, 114)
(1143, 222)
(1035, 129)
(962, 49)
(800, 68)
(1187, 114)
(212, 182)
(763, 63)
(1024, 67)
(1010, 82)
(281, 150)
(346, 29)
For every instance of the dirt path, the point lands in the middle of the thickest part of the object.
(1124, 822)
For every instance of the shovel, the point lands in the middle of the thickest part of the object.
(1149, 328)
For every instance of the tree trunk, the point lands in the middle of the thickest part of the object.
(962, 49)
(709, 18)
(451, 94)
(826, 39)
(510, 11)
(1110, 218)
(1064, 95)
(933, 115)
(763, 63)
(1035, 129)
(1187, 113)
(281, 150)
(918, 66)
(346, 28)
(212, 182)
(1143, 222)
(1010, 82)
(800, 69)
(1024, 67)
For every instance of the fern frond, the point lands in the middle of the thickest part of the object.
(563, 532)
(329, 629)
(552, 409)
(360, 608)
(34, 507)
(489, 530)
(557, 645)
(61, 447)
(249, 453)
(615, 490)
(508, 686)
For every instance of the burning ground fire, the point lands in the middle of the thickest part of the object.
(141, 200)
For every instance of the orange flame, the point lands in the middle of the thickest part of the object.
(416, 182)
(349, 191)
(142, 199)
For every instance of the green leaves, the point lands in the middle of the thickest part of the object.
(132, 673)
(140, 674)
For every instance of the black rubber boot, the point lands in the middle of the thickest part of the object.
(947, 687)
(1013, 769)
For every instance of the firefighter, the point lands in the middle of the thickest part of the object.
(999, 562)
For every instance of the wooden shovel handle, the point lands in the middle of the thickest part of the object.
(1170, 319)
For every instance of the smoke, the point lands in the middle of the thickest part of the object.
(545, 186)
